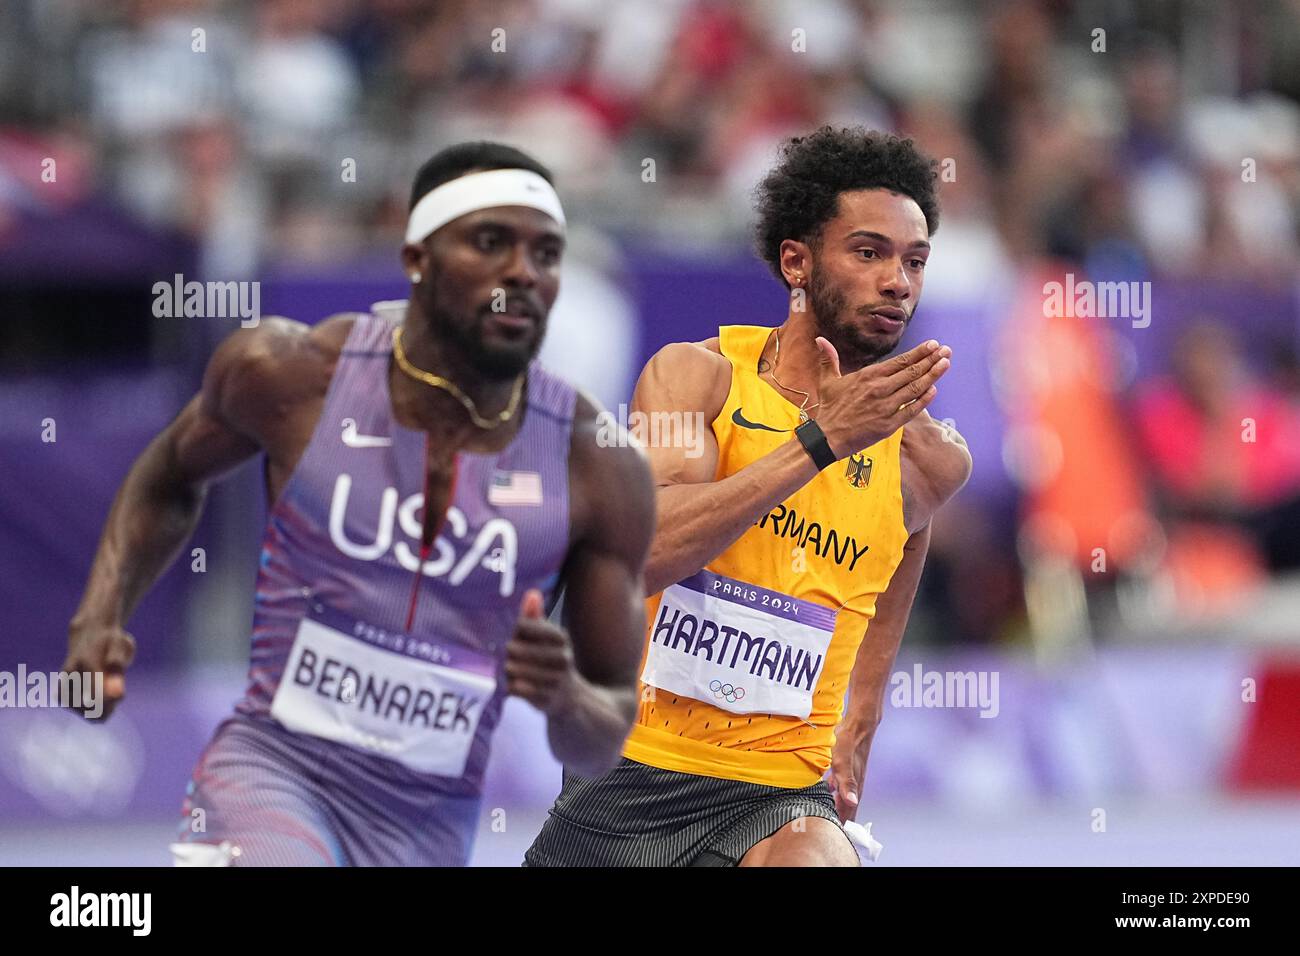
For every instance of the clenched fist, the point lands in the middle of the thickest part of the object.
(539, 659)
(101, 649)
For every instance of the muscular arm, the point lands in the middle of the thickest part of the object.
(159, 504)
(935, 464)
(870, 676)
(698, 517)
(160, 500)
(603, 609)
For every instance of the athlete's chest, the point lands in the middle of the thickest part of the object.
(850, 507)
(289, 430)
(496, 522)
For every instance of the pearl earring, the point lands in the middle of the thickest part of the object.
(415, 278)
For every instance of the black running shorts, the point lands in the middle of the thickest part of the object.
(637, 815)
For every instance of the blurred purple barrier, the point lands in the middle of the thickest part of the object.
(1141, 722)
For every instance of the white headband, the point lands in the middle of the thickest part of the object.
(465, 194)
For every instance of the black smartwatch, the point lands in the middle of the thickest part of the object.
(814, 442)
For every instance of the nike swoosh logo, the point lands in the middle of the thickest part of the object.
(354, 440)
(743, 422)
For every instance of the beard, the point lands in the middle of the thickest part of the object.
(856, 346)
(494, 361)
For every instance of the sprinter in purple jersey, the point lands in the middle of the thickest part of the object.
(431, 489)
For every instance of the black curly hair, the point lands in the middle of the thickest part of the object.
(801, 194)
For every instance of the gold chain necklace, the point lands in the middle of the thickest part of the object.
(803, 415)
(437, 381)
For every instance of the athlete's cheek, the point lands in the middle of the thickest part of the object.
(549, 288)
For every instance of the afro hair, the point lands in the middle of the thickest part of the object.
(801, 193)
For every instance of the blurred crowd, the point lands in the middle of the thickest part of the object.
(1135, 141)
(1160, 135)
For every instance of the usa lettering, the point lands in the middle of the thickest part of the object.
(494, 548)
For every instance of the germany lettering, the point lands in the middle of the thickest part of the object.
(808, 534)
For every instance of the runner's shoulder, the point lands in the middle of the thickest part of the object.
(602, 457)
(269, 366)
(595, 427)
(939, 452)
(706, 352)
(690, 376)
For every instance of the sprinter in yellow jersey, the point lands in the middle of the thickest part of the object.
(787, 555)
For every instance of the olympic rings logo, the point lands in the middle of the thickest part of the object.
(727, 692)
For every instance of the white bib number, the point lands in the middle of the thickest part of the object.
(417, 700)
(742, 648)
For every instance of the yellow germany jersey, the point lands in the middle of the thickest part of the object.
(747, 663)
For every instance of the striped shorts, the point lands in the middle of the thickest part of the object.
(638, 815)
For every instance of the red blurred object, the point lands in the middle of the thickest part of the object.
(1268, 757)
(1089, 492)
(1178, 439)
(53, 171)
